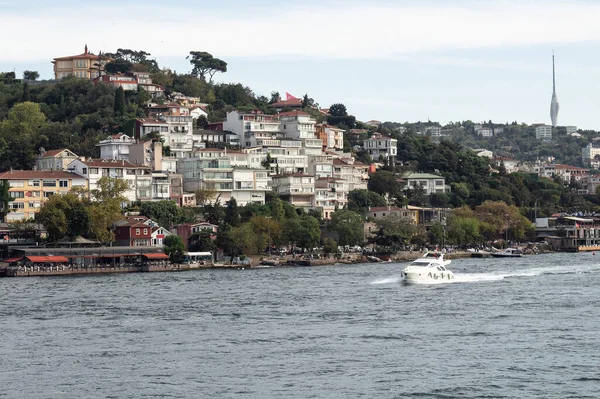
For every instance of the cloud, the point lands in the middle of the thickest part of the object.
(348, 30)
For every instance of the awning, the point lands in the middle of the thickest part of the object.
(156, 256)
(11, 260)
(47, 259)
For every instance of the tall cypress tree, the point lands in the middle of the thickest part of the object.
(119, 101)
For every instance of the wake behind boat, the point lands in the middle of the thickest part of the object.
(428, 269)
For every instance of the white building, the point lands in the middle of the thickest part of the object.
(498, 130)
(434, 131)
(138, 177)
(252, 124)
(356, 174)
(571, 129)
(381, 146)
(589, 154)
(485, 132)
(298, 125)
(543, 132)
(115, 146)
(296, 188)
(481, 152)
(432, 184)
(329, 194)
(246, 185)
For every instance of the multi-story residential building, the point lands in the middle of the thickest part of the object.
(498, 130)
(55, 159)
(381, 146)
(145, 82)
(287, 155)
(86, 65)
(176, 131)
(115, 146)
(355, 173)
(571, 129)
(332, 137)
(290, 102)
(246, 185)
(434, 131)
(133, 233)
(138, 177)
(381, 212)
(172, 109)
(320, 165)
(567, 173)
(150, 153)
(485, 132)
(296, 188)
(511, 165)
(431, 184)
(297, 125)
(31, 188)
(543, 132)
(589, 184)
(202, 137)
(590, 156)
(329, 194)
(252, 125)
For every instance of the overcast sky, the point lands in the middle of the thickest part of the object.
(387, 60)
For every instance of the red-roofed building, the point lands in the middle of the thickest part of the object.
(379, 146)
(31, 188)
(134, 234)
(331, 136)
(85, 65)
(290, 103)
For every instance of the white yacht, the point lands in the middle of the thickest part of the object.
(428, 269)
(508, 253)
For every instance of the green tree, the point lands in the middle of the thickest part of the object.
(64, 215)
(119, 107)
(349, 227)
(202, 122)
(204, 195)
(30, 75)
(384, 183)
(166, 213)
(5, 199)
(173, 246)
(329, 245)
(338, 109)
(232, 215)
(118, 66)
(202, 241)
(361, 200)
(204, 63)
(310, 232)
(394, 231)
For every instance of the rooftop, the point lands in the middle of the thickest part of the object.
(37, 174)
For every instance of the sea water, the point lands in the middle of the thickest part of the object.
(506, 328)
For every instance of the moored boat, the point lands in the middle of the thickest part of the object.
(508, 253)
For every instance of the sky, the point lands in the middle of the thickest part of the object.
(403, 60)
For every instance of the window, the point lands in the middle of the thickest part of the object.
(48, 194)
(130, 172)
(17, 194)
(35, 193)
(145, 231)
(49, 183)
(34, 204)
(63, 183)
(16, 183)
(93, 171)
(137, 232)
(34, 183)
(84, 171)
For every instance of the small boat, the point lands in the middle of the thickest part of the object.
(428, 269)
(508, 253)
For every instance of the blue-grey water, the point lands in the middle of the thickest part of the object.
(509, 328)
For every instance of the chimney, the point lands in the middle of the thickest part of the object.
(86, 49)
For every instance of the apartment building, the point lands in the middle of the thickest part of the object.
(380, 146)
(543, 132)
(31, 188)
(115, 146)
(431, 184)
(249, 125)
(355, 173)
(329, 194)
(297, 125)
(296, 188)
(331, 137)
(246, 185)
(138, 177)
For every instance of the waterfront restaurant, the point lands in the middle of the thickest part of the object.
(86, 259)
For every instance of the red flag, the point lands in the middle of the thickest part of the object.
(289, 97)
